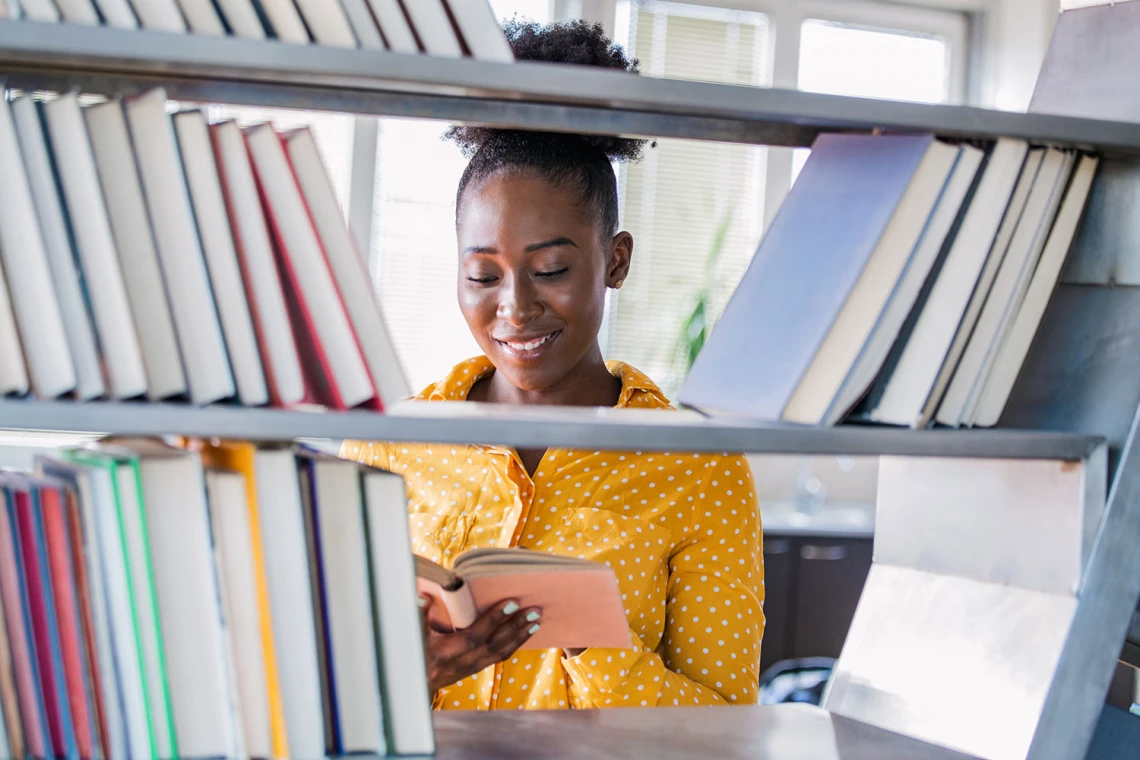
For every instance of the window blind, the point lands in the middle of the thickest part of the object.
(685, 195)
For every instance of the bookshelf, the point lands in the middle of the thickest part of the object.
(564, 427)
(1060, 679)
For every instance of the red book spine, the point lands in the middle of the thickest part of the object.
(17, 638)
(67, 617)
(41, 633)
(375, 403)
(250, 294)
(312, 353)
(87, 618)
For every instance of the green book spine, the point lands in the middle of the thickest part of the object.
(111, 466)
(152, 603)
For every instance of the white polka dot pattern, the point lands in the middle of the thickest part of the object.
(681, 531)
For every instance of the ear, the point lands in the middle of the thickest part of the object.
(621, 255)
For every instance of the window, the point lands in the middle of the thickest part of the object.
(413, 257)
(691, 206)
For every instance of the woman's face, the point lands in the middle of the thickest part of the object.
(533, 271)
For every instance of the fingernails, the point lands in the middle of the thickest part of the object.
(533, 629)
(533, 616)
(510, 608)
(422, 601)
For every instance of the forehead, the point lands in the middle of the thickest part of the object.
(521, 203)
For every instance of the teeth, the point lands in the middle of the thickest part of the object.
(531, 345)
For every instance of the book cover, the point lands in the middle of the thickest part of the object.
(71, 639)
(13, 739)
(256, 257)
(808, 262)
(240, 458)
(33, 721)
(290, 592)
(59, 244)
(33, 550)
(125, 658)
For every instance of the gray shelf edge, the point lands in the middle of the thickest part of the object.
(585, 430)
(535, 95)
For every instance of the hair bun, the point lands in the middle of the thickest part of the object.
(576, 42)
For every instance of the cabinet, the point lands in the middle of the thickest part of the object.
(812, 586)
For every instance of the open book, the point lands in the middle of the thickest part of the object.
(580, 601)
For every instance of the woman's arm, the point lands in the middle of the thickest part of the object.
(710, 652)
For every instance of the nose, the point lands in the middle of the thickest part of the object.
(518, 301)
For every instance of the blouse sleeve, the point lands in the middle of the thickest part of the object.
(365, 452)
(710, 653)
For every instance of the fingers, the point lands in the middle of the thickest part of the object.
(487, 623)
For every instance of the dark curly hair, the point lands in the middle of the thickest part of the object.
(581, 162)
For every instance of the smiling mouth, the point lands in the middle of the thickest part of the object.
(528, 348)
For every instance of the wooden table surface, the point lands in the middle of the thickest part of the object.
(779, 732)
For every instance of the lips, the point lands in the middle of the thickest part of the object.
(529, 347)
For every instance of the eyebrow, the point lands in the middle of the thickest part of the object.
(532, 248)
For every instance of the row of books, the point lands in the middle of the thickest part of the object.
(144, 254)
(227, 601)
(450, 28)
(902, 282)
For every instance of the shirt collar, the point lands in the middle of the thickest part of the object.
(636, 389)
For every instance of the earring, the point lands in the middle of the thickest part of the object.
(618, 284)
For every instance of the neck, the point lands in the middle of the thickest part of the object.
(589, 383)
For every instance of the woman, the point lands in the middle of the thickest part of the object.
(537, 224)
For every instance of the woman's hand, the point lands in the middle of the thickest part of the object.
(492, 638)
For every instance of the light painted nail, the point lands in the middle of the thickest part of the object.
(533, 629)
(421, 601)
(510, 609)
(533, 616)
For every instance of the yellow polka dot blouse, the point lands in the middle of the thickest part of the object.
(681, 531)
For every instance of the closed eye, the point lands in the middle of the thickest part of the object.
(482, 280)
(553, 275)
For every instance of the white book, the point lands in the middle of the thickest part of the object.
(13, 371)
(60, 252)
(202, 17)
(393, 589)
(233, 540)
(286, 559)
(160, 15)
(430, 21)
(1012, 353)
(1000, 301)
(348, 268)
(965, 330)
(123, 639)
(915, 374)
(328, 22)
(902, 301)
(221, 256)
(138, 256)
(1037, 247)
(233, 696)
(263, 282)
(286, 21)
(179, 249)
(839, 350)
(481, 31)
(78, 12)
(394, 26)
(363, 25)
(118, 13)
(178, 534)
(28, 274)
(348, 603)
(89, 502)
(140, 564)
(301, 248)
(242, 18)
(40, 10)
(92, 229)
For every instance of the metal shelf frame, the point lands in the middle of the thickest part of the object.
(531, 95)
(538, 427)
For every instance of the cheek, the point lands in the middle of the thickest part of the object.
(477, 304)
